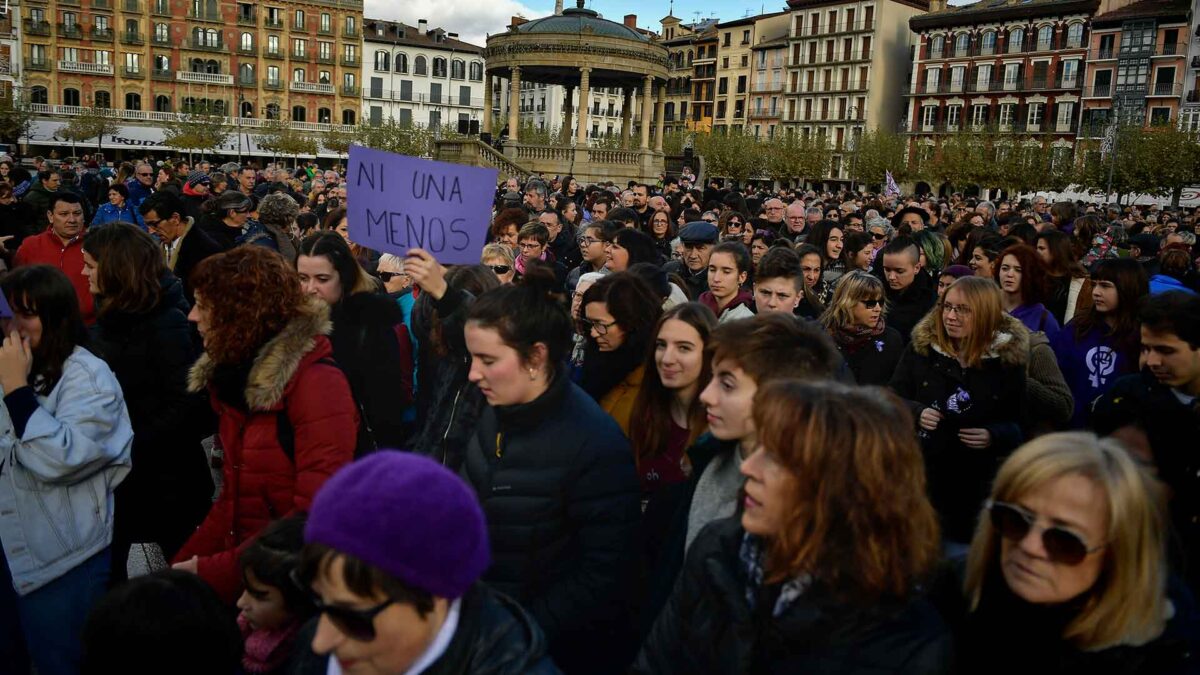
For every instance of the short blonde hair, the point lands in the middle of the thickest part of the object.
(854, 286)
(497, 251)
(1128, 604)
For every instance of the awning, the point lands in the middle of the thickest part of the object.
(133, 137)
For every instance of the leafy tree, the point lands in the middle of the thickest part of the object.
(338, 139)
(16, 121)
(278, 137)
(196, 129)
(1171, 160)
(93, 122)
(1125, 163)
(403, 139)
(875, 153)
(736, 155)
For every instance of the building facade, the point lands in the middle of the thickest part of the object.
(736, 66)
(691, 87)
(1189, 118)
(767, 86)
(414, 74)
(846, 61)
(299, 61)
(1137, 65)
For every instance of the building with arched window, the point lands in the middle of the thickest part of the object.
(421, 75)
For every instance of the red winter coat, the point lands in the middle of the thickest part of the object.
(291, 375)
(47, 249)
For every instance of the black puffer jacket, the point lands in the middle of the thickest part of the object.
(991, 396)
(170, 489)
(906, 308)
(448, 403)
(494, 637)
(372, 347)
(709, 627)
(557, 482)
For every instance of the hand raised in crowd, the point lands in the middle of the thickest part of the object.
(975, 438)
(426, 272)
(930, 419)
(16, 361)
(192, 565)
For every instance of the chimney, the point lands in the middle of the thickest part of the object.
(631, 21)
(422, 25)
(558, 7)
(517, 21)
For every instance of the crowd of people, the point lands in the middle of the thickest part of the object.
(670, 428)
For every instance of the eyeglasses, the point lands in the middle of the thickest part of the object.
(588, 241)
(709, 220)
(151, 223)
(500, 269)
(1062, 545)
(244, 209)
(878, 236)
(528, 245)
(870, 304)
(961, 310)
(388, 276)
(600, 327)
(356, 624)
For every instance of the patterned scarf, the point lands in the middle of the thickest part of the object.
(751, 555)
(852, 338)
(267, 650)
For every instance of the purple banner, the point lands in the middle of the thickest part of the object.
(396, 202)
(5, 311)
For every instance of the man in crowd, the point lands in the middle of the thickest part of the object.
(562, 240)
(698, 239)
(910, 291)
(246, 180)
(797, 226)
(141, 185)
(184, 244)
(535, 198)
(778, 283)
(61, 246)
(41, 195)
(774, 208)
(641, 203)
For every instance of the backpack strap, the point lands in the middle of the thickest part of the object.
(285, 433)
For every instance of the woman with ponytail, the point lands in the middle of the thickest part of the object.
(555, 477)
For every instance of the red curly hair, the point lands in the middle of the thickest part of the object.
(250, 293)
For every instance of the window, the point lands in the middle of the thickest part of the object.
(70, 96)
(1007, 112)
(726, 41)
(383, 60)
(1016, 40)
(272, 44)
(439, 66)
(953, 115)
(464, 97)
(324, 116)
(933, 77)
(162, 103)
(1012, 76)
(272, 111)
(209, 37)
(70, 54)
(745, 37)
(102, 99)
(936, 47)
(161, 33)
(133, 101)
(101, 23)
(37, 15)
(1045, 38)
(299, 48)
(273, 74)
(323, 77)
(326, 23)
(247, 42)
(350, 54)
(275, 16)
(987, 43)
(246, 73)
(1066, 111)
(325, 51)
(298, 22)
(133, 63)
(406, 91)
(983, 78)
(70, 20)
(1037, 111)
(102, 57)
(476, 70)
(435, 93)
(351, 26)
(39, 95)
(348, 117)
(37, 54)
(299, 113)
(349, 81)
(458, 70)
(419, 65)
(1070, 74)
(299, 75)
(1075, 36)
(162, 62)
(962, 43)
(246, 109)
(957, 75)
(1160, 117)
(928, 116)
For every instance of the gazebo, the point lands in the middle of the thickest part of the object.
(580, 49)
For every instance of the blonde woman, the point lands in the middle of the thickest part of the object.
(963, 375)
(499, 258)
(854, 319)
(1068, 563)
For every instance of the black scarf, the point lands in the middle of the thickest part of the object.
(604, 370)
(229, 381)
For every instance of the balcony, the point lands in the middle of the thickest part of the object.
(85, 68)
(161, 40)
(245, 81)
(72, 31)
(311, 87)
(351, 33)
(132, 38)
(838, 58)
(1098, 91)
(69, 2)
(1172, 49)
(248, 50)
(204, 45)
(250, 20)
(37, 28)
(205, 16)
(272, 84)
(1196, 62)
(1101, 54)
(274, 24)
(135, 73)
(349, 90)
(325, 30)
(102, 4)
(350, 62)
(273, 53)
(131, 6)
(203, 78)
(1193, 96)
(326, 59)
(1165, 89)
(101, 34)
(164, 75)
(160, 8)
(827, 28)
(37, 65)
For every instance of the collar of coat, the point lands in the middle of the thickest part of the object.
(1010, 343)
(277, 361)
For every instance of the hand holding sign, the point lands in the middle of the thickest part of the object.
(397, 203)
(426, 272)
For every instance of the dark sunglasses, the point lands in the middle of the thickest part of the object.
(1062, 545)
(501, 269)
(356, 624)
(388, 276)
(870, 304)
(878, 235)
(244, 209)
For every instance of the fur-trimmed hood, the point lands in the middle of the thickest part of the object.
(277, 361)
(1010, 344)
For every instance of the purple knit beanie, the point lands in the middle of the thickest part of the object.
(407, 515)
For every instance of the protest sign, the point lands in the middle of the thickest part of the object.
(395, 202)
(5, 310)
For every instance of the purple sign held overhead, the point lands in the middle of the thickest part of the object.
(396, 202)
(5, 311)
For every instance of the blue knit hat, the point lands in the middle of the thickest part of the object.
(407, 515)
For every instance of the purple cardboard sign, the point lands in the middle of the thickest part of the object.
(5, 310)
(395, 202)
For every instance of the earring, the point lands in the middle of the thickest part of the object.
(532, 374)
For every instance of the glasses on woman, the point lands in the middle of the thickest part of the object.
(356, 624)
(600, 327)
(500, 269)
(961, 310)
(588, 241)
(388, 276)
(871, 304)
(1062, 545)
(877, 236)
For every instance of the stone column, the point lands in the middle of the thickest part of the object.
(585, 102)
(487, 103)
(626, 116)
(647, 110)
(514, 103)
(566, 112)
(659, 118)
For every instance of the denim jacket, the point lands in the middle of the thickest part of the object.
(57, 480)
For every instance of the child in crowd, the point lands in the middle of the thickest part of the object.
(273, 607)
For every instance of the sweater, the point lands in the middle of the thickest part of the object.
(1090, 364)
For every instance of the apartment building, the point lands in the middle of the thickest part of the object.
(736, 66)
(691, 88)
(149, 59)
(1138, 65)
(10, 53)
(1189, 117)
(846, 61)
(767, 85)
(423, 75)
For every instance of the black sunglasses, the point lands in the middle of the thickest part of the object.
(878, 235)
(1062, 545)
(871, 304)
(388, 276)
(356, 624)
(501, 269)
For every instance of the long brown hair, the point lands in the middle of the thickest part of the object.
(860, 522)
(1132, 284)
(129, 270)
(652, 408)
(987, 311)
(1033, 272)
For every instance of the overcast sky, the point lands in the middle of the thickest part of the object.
(473, 20)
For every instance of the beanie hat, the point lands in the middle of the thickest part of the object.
(197, 177)
(957, 271)
(407, 515)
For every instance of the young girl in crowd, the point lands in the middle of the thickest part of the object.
(1069, 288)
(272, 607)
(816, 291)
(1102, 343)
(728, 270)
(1022, 279)
(829, 239)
